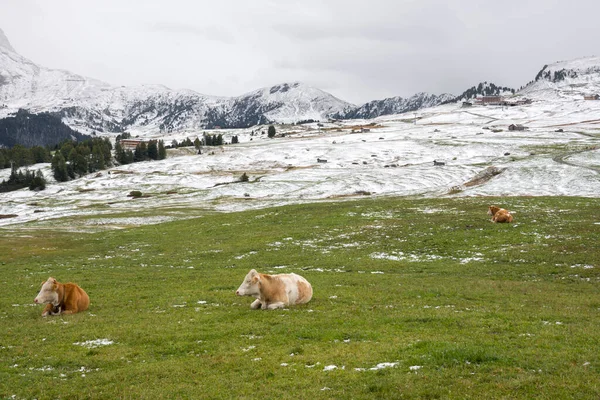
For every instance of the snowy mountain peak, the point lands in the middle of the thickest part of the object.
(566, 79)
(294, 91)
(4, 43)
(284, 87)
(93, 106)
(572, 68)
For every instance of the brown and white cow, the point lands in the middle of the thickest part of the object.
(275, 291)
(499, 214)
(67, 298)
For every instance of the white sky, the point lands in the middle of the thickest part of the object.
(356, 50)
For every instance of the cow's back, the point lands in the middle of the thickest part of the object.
(503, 216)
(76, 298)
(299, 289)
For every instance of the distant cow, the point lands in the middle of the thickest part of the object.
(499, 214)
(275, 291)
(67, 298)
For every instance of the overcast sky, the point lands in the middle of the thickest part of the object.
(356, 50)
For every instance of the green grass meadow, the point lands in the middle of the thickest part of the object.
(457, 306)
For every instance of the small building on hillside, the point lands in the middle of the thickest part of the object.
(519, 102)
(591, 97)
(130, 144)
(490, 100)
(516, 127)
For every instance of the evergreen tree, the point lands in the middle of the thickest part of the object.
(40, 154)
(119, 153)
(38, 182)
(78, 164)
(271, 132)
(128, 157)
(65, 149)
(153, 150)
(107, 149)
(141, 152)
(18, 180)
(21, 156)
(97, 159)
(138, 155)
(59, 167)
(162, 152)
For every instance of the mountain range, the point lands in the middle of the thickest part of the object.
(89, 105)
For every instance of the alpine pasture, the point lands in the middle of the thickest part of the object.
(413, 298)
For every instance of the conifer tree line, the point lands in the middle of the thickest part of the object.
(72, 159)
(21, 156)
(214, 140)
(207, 140)
(19, 180)
(153, 150)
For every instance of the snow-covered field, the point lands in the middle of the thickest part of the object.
(393, 159)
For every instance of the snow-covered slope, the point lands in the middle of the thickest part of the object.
(284, 103)
(558, 155)
(5, 43)
(290, 102)
(91, 105)
(394, 105)
(566, 80)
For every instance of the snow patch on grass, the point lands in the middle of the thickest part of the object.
(379, 366)
(91, 344)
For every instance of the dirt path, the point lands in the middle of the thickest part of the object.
(481, 115)
(562, 159)
(589, 121)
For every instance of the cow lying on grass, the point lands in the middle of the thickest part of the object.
(67, 298)
(499, 214)
(275, 291)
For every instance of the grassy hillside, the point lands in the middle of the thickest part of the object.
(457, 306)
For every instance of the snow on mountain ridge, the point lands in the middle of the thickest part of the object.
(88, 104)
(566, 79)
(5, 43)
(291, 102)
(394, 105)
(579, 64)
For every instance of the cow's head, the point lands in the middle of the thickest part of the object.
(493, 210)
(48, 293)
(251, 284)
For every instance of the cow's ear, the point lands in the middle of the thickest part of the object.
(255, 279)
(51, 279)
